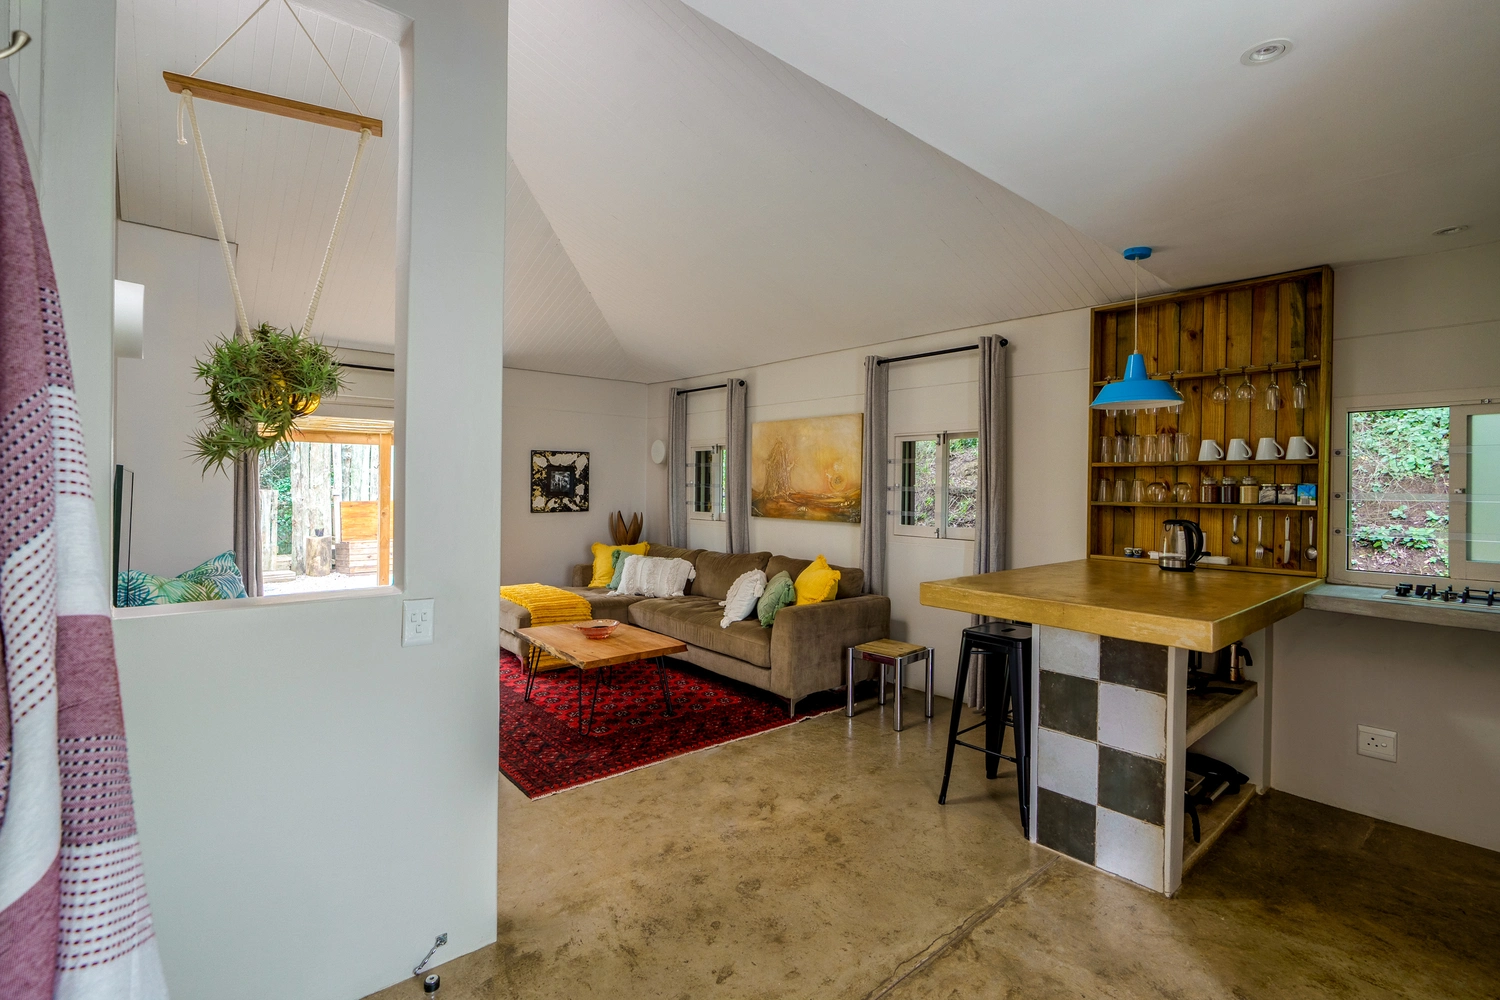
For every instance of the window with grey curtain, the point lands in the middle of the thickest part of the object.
(872, 489)
(677, 513)
(990, 552)
(247, 522)
(737, 489)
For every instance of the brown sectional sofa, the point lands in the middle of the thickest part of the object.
(801, 654)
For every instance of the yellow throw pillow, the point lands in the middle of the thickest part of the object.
(604, 562)
(817, 583)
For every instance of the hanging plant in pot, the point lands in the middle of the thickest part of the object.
(256, 387)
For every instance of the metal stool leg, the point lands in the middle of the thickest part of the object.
(958, 707)
(1020, 697)
(996, 684)
(928, 698)
(882, 681)
(849, 682)
(900, 671)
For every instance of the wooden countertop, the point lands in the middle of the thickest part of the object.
(1205, 610)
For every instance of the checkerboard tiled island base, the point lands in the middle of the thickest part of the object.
(1112, 715)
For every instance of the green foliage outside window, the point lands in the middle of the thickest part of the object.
(1398, 491)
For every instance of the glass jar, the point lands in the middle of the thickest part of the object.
(1229, 489)
(1249, 490)
(1209, 491)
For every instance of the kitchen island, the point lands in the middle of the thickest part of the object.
(1111, 714)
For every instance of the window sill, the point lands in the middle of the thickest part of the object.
(200, 607)
(1367, 602)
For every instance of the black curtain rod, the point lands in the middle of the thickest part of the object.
(933, 354)
(368, 368)
(704, 388)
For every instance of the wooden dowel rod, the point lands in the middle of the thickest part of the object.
(239, 97)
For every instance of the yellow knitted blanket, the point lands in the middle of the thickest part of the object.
(548, 606)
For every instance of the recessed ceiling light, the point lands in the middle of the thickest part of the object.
(1450, 230)
(1265, 52)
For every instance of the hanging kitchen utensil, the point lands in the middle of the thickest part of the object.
(1260, 547)
(1312, 537)
(1234, 532)
(1286, 556)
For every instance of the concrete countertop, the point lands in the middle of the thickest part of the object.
(1366, 601)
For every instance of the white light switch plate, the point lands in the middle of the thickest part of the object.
(416, 622)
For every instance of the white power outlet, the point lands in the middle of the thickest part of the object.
(1379, 743)
(416, 622)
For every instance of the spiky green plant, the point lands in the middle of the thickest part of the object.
(256, 387)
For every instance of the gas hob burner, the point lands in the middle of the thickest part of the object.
(1468, 599)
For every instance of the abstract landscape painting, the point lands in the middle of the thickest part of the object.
(808, 469)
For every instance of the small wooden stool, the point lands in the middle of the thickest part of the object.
(887, 653)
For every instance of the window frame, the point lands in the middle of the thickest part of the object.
(941, 529)
(1461, 572)
(716, 482)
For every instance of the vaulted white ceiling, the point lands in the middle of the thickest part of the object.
(278, 180)
(1137, 123)
(724, 209)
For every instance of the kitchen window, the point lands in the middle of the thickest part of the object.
(938, 484)
(709, 472)
(1421, 495)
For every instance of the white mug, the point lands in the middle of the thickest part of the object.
(1300, 447)
(1268, 450)
(1239, 449)
(1209, 451)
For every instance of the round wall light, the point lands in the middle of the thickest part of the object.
(658, 451)
(1269, 51)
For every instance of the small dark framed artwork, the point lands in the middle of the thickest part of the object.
(559, 481)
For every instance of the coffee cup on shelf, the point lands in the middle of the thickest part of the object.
(1300, 447)
(1239, 449)
(1268, 450)
(1209, 451)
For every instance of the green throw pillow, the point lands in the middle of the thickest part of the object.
(780, 591)
(619, 556)
(212, 580)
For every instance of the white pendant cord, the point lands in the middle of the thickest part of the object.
(185, 102)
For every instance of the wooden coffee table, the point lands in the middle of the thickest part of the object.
(627, 644)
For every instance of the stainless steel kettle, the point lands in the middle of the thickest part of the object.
(1182, 546)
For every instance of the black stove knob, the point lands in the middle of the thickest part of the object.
(1403, 590)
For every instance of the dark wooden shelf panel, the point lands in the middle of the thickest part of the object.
(1213, 820)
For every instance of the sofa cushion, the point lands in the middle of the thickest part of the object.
(779, 593)
(851, 579)
(695, 620)
(602, 604)
(604, 564)
(817, 583)
(717, 571)
(673, 552)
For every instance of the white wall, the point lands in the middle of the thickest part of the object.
(1418, 329)
(315, 802)
(1049, 427)
(546, 412)
(181, 516)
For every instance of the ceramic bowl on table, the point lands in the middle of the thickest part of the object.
(599, 628)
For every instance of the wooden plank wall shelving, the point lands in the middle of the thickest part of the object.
(1269, 327)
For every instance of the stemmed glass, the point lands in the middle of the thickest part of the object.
(1221, 391)
(1245, 390)
(1300, 391)
(1273, 393)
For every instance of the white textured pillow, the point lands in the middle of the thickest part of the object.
(655, 576)
(743, 594)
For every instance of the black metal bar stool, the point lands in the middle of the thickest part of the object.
(1006, 647)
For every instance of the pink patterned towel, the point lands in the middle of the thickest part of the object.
(74, 921)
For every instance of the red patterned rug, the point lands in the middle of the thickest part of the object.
(542, 750)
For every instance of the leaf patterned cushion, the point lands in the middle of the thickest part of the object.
(212, 580)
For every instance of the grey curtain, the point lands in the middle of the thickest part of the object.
(873, 487)
(993, 504)
(247, 521)
(737, 490)
(677, 514)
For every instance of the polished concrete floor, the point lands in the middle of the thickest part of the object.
(814, 861)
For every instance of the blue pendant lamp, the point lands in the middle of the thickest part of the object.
(1137, 390)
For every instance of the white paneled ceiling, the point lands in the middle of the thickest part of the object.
(724, 209)
(552, 323)
(1137, 123)
(278, 180)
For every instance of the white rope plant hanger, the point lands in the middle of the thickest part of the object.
(185, 103)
